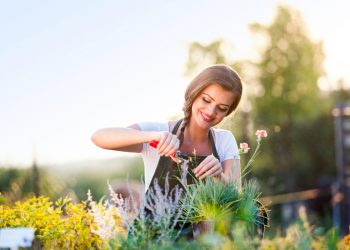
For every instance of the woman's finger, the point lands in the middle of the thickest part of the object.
(212, 162)
(177, 145)
(217, 173)
(165, 144)
(206, 174)
(171, 147)
(161, 141)
(214, 171)
(204, 165)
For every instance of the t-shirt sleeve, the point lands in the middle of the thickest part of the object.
(152, 126)
(230, 148)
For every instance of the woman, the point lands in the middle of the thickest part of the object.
(209, 98)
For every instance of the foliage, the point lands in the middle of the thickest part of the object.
(301, 235)
(158, 221)
(161, 221)
(283, 96)
(226, 203)
(166, 215)
(62, 225)
(107, 220)
(288, 96)
(17, 183)
(290, 67)
(2, 199)
(211, 200)
(203, 55)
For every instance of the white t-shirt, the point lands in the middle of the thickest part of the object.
(225, 144)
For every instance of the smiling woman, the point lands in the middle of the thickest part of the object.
(209, 98)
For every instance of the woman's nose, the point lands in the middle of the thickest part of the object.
(211, 110)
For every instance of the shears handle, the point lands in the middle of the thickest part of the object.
(155, 143)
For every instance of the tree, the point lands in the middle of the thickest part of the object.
(285, 99)
(289, 98)
(203, 55)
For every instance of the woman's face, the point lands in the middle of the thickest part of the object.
(211, 106)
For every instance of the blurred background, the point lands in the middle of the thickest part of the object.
(69, 68)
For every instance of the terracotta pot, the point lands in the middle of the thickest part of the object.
(203, 227)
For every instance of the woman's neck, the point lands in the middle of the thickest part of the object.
(195, 134)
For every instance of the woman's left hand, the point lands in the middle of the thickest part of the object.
(210, 166)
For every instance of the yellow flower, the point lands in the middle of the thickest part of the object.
(347, 239)
(59, 225)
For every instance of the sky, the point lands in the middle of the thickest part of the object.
(68, 68)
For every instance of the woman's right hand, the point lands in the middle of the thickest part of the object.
(168, 143)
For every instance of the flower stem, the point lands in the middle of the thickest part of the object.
(252, 158)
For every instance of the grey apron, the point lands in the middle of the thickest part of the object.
(167, 168)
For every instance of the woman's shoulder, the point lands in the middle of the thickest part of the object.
(172, 124)
(223, 134)
(221, 131)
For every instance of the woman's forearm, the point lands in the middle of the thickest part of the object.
(236, 174)
(232, 172)
(114, 138)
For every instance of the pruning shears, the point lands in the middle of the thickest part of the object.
(179, 156)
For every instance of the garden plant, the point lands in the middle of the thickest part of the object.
(233, 218)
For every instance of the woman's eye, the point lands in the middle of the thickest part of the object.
(206, 100)
(223, 109)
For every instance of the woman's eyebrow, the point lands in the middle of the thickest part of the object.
(214, 100)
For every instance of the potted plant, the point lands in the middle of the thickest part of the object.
(212, 205)
(207, 202)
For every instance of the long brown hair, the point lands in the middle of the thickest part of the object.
(220, 74)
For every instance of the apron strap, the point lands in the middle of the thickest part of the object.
(213, 147)
(176, 127)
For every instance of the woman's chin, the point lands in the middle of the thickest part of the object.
(203, 124)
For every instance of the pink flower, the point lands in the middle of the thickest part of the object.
(244, 147)
(261, 133)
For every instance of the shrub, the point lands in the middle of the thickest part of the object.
(62, 225)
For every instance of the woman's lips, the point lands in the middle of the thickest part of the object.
(206, 118)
